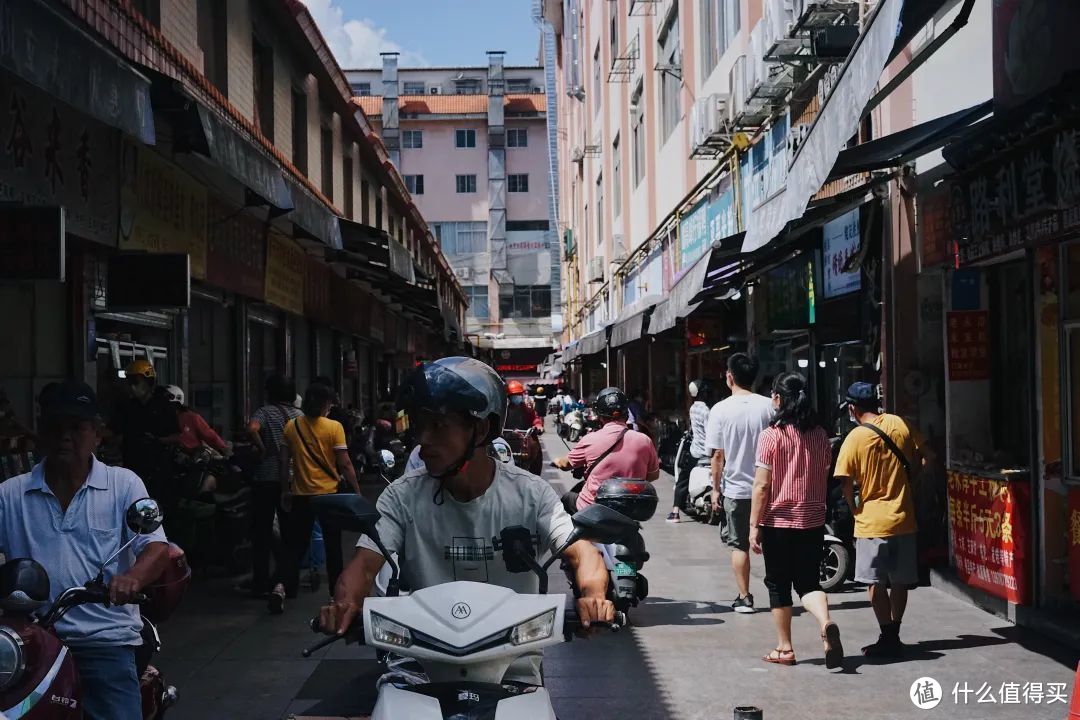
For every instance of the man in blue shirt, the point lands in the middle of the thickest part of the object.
(68, 515)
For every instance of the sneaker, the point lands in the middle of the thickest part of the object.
(673, 517)
(276, 603)
(743, 604)
(887, 646)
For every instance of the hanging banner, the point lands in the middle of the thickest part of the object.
(286, 264)
(162, 208)
(235, 257)
(841, 242)
(934, 226)
(722, 218)
(990, 534)
(693, 237)
(53, 156)
(318, 291)
(969, 344)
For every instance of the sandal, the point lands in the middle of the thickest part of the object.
(834, 650)
(780, 657)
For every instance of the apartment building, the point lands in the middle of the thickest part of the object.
(472, 146)
(213, 202)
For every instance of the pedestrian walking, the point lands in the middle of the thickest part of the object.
(702, 393)
(731, 437)
(881, 456)
(266, 429)
(787, 516)
(314, 456)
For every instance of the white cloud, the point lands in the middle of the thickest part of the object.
(356, 43)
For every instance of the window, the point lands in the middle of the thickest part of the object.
(616, 178)
(517, 183)
(299, 130)
(519, 86)
(465, 138)
(637, 136)
(467, 86)
(613, 33)
(596, 80)
(361, 89)
(528, 301)
(347, 172)
(728, 21)
(709, 13)
(365, 197)
(670, 85)
(478, 301)
(326, 137)
(212, 39)
(415, 184)
(600, 210)
(412, 139)
(466, 183)
(413, 88)
(378, 210)
(519, 225)
(262, 72)
(459, 238)
(517, 137)
(149, 9)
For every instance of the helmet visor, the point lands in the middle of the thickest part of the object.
(434, 389)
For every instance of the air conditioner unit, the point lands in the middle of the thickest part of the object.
(618, 250)
(708, 120)
(596, 269)
(463, 273)
(434, 90)
(736, 89)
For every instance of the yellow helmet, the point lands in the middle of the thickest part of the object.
(141, 368)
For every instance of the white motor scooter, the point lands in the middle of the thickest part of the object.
(699, 496)
(465, 635)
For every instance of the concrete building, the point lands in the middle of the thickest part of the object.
(471, 143)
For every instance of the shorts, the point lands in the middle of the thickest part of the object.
(889, 560)
(736, 531)
(792, 561)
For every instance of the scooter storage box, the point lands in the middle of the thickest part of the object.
(634, 498)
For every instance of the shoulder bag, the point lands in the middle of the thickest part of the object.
(313, 453)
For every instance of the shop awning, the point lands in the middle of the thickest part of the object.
(594, 342)
(833, 126)
(41, 47)
(900, 147)
(631, 323)
(312, 216)
(681, 298)
(570, 352)
(243, 161)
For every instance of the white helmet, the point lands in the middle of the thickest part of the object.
(174, 394)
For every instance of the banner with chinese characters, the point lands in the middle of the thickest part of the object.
(286, 264)
(991, 541)
(235, 258)
(934, 226)
(1074, 542)
(162, 208)
(969, 344)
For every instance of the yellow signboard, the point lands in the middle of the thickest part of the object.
(285, 265)
(162, 208)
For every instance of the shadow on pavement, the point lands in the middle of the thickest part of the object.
(663, 611)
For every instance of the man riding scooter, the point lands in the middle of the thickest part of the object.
(613, 451)
(439, 520)
(519, 416)
(55, 515)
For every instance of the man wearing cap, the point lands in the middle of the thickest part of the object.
(148, 424)
(68, 515)
(881, 456)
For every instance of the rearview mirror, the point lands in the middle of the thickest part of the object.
(601, 524)
(144, 516)
(503, 453)
(387, 460)
(345, 511)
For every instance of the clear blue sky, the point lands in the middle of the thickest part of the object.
(427, 32)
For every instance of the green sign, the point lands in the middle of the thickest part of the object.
(789, 295)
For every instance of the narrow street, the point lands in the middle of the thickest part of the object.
(687, 655)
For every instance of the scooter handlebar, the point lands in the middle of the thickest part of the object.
(572, 623)
(354, 633)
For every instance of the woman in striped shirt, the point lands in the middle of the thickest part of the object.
(787, 515)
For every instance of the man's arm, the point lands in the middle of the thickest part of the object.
(653, 471)
(847, 485)
(345, 467)
(716, 465)
(208, 435)
(353, 586)
(253, 427)
(148, 567)
(591, 576)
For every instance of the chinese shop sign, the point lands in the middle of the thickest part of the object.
(235, 258)
(286, 264)
(1025, 197)
(841, 242)
(969, 344)
(934, 226)
(989, 520)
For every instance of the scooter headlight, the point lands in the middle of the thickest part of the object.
(389, 632)
(12, 658)
(539, 628)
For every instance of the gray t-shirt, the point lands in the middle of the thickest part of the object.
(437, 544)
(734, 426)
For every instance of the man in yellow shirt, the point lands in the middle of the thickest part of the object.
(882, 455)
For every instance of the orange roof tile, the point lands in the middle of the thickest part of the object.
(451, 104)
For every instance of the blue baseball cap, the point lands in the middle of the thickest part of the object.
(861, 393)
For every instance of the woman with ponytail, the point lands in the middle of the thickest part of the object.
(787, 515)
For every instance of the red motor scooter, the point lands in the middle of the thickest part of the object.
(525, 446)
(38, 677)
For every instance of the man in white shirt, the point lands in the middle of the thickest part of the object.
(731, 437)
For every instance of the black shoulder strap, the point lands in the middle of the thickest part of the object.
(893, 448)
(312, 453)
(588, 470)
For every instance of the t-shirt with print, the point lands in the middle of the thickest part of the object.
(799, 462)
(272, 420)
(633, 457)
(699, 419)
(886, 501)
(734, 426)
(441, 543)
(313, 444)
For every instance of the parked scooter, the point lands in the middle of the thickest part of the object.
(38, 677)
(699, 495)
(465, 635)
(213, 512)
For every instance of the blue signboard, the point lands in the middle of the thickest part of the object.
(693, 235)
(841, 241)
(723, 220)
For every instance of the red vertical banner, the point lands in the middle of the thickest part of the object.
(1074, 542)
(991, 538)
(969, 344)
